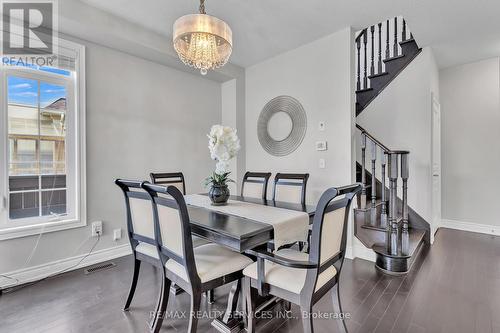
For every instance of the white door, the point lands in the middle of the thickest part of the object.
(436, 166)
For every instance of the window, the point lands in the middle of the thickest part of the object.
(42, 175)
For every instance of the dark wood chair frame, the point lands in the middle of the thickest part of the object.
(285, 179)
(194, 287)
(262, 178)
(135, 239)
(308, 296)
(166, 178)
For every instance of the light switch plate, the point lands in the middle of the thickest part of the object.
(322, 163)
(321, 126)
(321, 145)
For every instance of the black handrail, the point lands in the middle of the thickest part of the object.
(380, 144)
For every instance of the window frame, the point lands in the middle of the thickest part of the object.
(75, 143)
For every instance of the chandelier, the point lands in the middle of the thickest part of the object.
(202, 41)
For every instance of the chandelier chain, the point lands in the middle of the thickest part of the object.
(202, 7)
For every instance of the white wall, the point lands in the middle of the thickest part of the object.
(141, 117)
(470, 108)
(400, 117)
(319, 76)
(233, 114)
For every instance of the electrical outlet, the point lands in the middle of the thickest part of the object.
(96, 228)
(117, 234)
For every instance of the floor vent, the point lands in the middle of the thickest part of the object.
(98, 268)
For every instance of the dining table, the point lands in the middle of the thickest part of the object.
(238, 233)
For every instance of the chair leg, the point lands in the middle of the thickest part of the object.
(195, 308)
(162, 306)
(158, 304)
(337, 308)
(250, 304)
(137, 267)
(307, 319)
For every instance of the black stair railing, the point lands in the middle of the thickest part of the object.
(371, 54)
(393, 165)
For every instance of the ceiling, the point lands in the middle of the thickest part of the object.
(460, 31)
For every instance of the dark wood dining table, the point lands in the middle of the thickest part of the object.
(239, 234)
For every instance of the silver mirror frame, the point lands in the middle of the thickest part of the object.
(295, 111)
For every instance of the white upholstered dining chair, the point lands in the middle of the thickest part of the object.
(175, 179)
(302, 278)
(254, 185)
(290, 187)
(195, 270)
(140, 227)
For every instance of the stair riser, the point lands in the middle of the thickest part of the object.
(397, 266)
(409, 47)
(364, 97)
(395, 66)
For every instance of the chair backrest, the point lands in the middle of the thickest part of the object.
(329, 231)
(169, 178)
(140, 221)
(290, 187)
(173, 229)
(254, 185)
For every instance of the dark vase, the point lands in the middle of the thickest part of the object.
(219, 194)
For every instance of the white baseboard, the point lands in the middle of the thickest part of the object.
(470, 226)
(360, 252)
(35, 273)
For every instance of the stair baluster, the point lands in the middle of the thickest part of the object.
(374, 179)
(393, 211)
(372, 67)
(383, 215)
(365, 78)
(387, 51)
(379, 69)
(363, 170)
(405, 236)
(403, 37)
(396, 51)
(358, 46)
(373, 217)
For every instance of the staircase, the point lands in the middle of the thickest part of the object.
(383, 220)
(386, 48)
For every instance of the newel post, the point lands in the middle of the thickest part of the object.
(383, 216)
(405, 238)
(363, 170)
(393, 211)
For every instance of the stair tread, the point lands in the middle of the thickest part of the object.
(416, 237)
(409, 40)
(364, 90)
(378, 75)
(372, 227)
(369, 204)
(394, 58)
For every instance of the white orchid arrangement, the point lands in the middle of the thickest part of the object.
(224, 145)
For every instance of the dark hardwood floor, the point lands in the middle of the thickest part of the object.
(454, 287)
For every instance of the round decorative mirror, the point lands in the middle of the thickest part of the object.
(281, 126)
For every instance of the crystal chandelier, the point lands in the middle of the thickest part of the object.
(202, 41)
